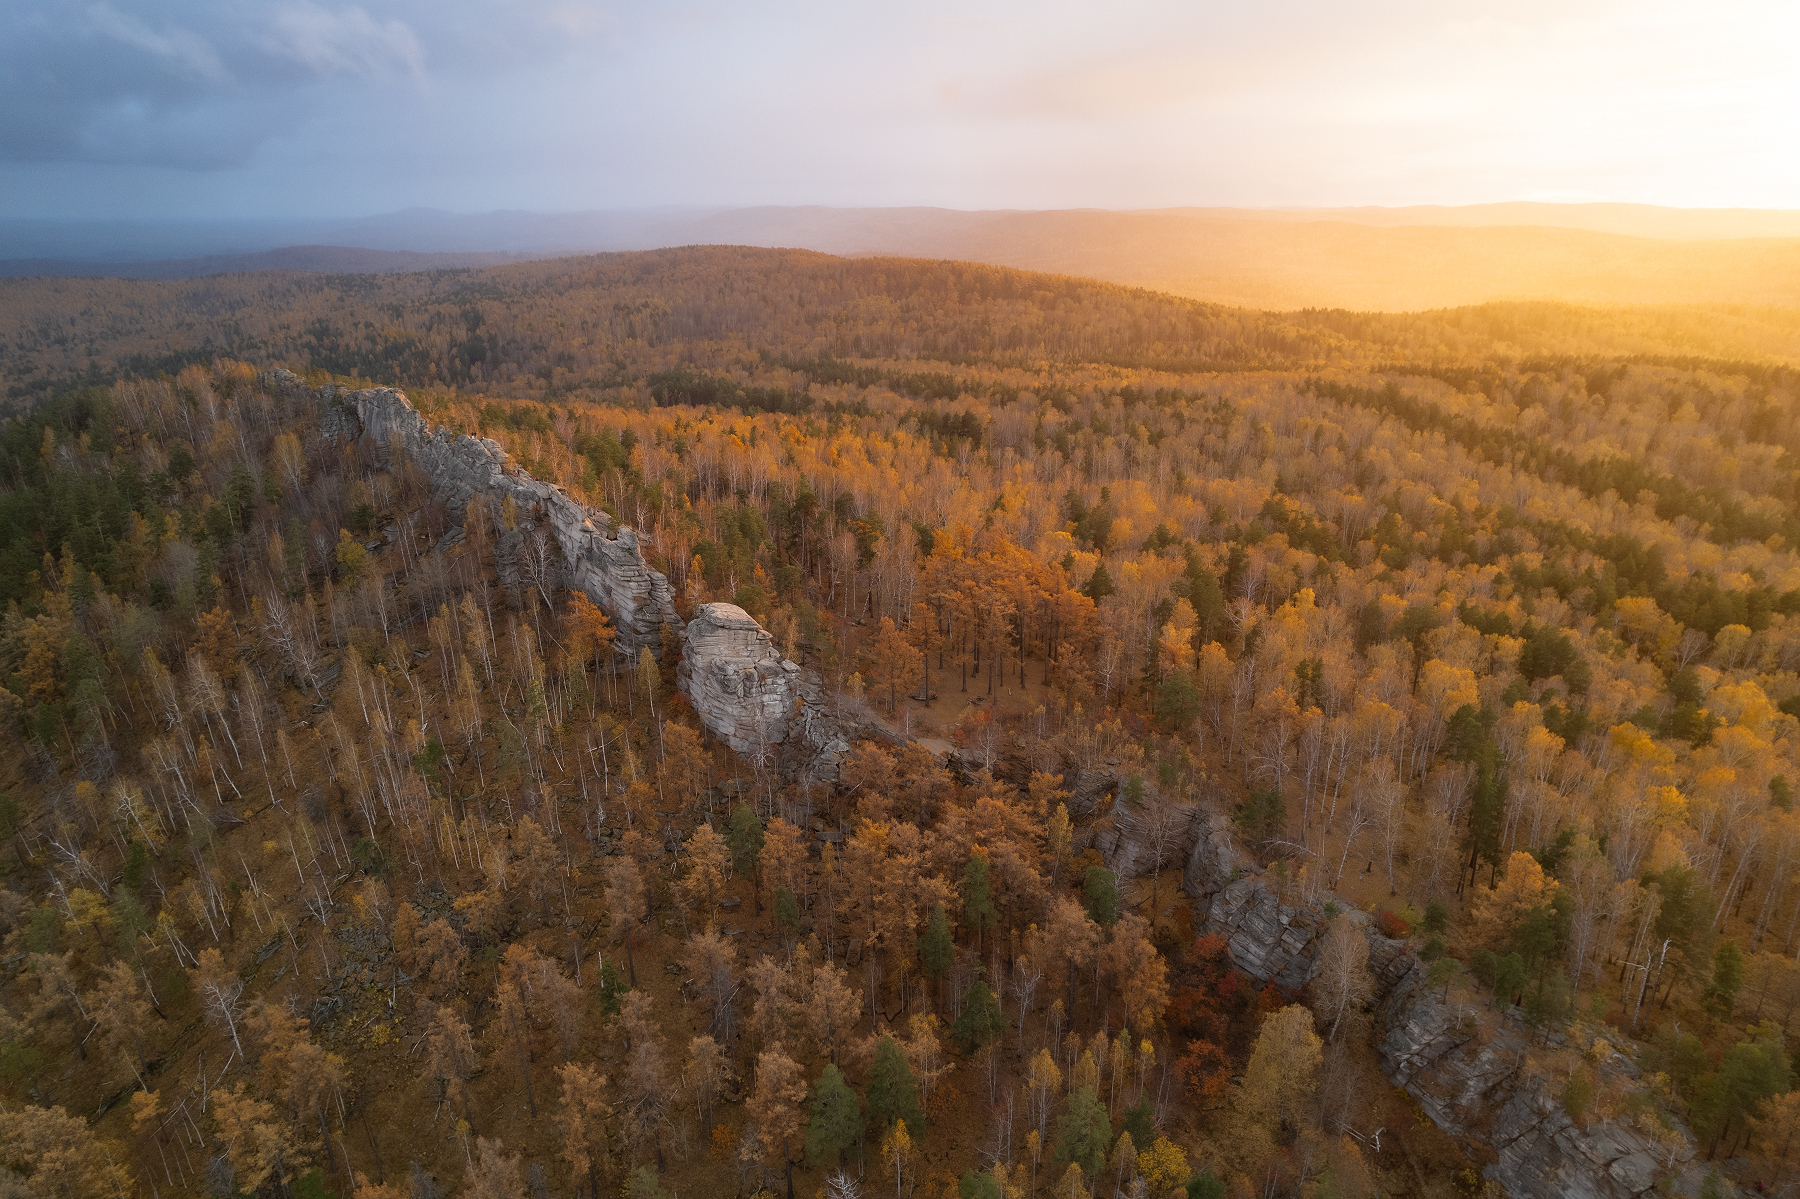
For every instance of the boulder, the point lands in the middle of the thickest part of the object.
(752, 698)
(743, 689)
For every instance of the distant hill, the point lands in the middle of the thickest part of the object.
(1375, 259)
(487, 327)
(1282, 261)
(334, 260)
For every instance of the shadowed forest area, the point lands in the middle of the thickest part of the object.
(344, 854)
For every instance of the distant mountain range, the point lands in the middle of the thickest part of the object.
(1361, 258)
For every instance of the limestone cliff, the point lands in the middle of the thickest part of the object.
(600, 557)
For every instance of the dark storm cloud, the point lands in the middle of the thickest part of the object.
(195, 84)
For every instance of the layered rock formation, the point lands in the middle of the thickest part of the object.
(1269, 939)
(1464, 1066)
(600, 557)
(752, 698)
(743, 690)
(1461, 1062)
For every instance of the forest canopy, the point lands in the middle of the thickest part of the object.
(345, 850)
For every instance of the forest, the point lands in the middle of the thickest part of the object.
(1473, 634)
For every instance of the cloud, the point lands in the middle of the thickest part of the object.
(186, 52)
(349, 42)
(236, 105)
(184, 84)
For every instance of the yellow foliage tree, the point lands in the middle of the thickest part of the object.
(1496, 912)
(257, 1142)
(1278, 1080)
(1164, 1166)
(56, 1154)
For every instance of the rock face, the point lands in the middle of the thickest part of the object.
(1269, 939)
(751, 698)
(1463, 1066)
(1461, 1063)
(600, 557)
(744, 690)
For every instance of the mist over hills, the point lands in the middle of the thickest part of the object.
(1387, 259)
(344, 260)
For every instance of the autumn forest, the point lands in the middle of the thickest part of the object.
(1225, 694)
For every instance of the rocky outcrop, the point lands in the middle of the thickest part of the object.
(1269, 939)
(741, 687)
(752, 698)
(1213, 862)
(744, 690)
(1462, 1062)
(599, 557)
(1088, 790)
(1466, 1067)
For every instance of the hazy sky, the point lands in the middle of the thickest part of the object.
(208, 108)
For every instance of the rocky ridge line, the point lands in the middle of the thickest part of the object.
(601, 558)
(745, 693)
(1462, 1064)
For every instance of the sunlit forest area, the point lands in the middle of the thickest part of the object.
(344, 854)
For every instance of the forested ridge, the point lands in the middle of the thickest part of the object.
(344, 854)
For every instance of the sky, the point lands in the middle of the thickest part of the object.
(208, 109)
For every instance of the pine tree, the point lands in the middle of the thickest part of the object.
(1083, 1132)
(1721, 991)
(978, 903)
(936, 950)
(1100, 895)
(981, 1023)
(893, 1092)
(744, 837)
(836, 1117)
(787, 912)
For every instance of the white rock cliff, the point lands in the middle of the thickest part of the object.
(745, 693)
(600, 557)
(752, 698)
